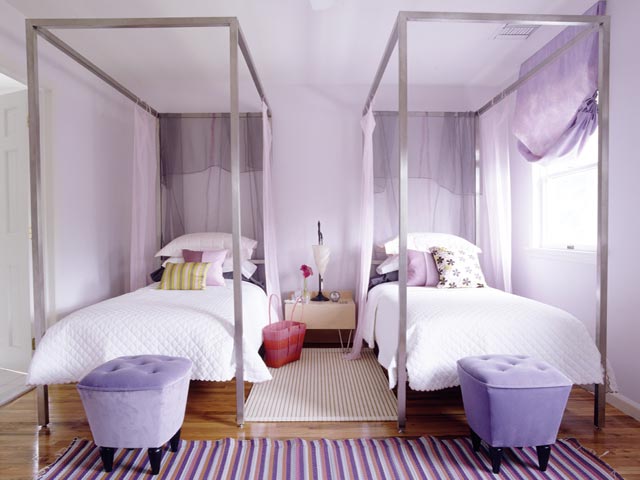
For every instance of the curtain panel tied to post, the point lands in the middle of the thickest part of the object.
(494, 199)
(556, 110)
(368, 124)
(270, 243)
(144, 233)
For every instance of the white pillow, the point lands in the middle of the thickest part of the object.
(172, 260)
(248, 268)
(424, 241)
(207, 241)
(391, 264)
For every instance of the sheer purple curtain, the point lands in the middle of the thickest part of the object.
(368, 125)
(494, 201)
(441, 175)
(556, 110)
(144, 233)
(270, 243)
(195, 160)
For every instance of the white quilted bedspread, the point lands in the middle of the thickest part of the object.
(444, 325)
(192, 324)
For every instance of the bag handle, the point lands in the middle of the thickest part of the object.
(298, 301)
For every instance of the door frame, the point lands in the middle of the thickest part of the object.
(47, 211)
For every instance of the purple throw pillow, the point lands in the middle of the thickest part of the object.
(214, 257)
(421, 269)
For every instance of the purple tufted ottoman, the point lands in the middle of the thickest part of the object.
(136, 402)
(513, 401)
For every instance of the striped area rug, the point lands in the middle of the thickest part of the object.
(324, 386)
(391, 458)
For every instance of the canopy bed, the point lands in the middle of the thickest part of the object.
(225, 350)
(428, 325)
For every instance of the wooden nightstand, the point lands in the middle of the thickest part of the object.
(339, 315)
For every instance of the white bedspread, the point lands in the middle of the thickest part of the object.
(444, 325)
(192, 324)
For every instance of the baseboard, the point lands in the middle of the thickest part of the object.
(624, 404)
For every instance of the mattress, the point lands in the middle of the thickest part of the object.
(196, 324)
(444, 325)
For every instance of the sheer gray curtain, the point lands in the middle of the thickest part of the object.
(195, 164)
(441, 175)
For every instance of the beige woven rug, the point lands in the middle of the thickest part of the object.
(324, 386)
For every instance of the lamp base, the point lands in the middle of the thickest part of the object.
(320, 298)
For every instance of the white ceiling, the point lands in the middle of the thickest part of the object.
(292, 44)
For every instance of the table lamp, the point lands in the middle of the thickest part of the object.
(321, 254)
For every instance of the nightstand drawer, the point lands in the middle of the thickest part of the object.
(325, 315)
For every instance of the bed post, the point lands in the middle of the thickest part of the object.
(235, 206)
(603, 217)
(477, 176)
(403, 217)
(37, 260)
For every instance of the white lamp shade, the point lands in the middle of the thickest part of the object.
(321, 254)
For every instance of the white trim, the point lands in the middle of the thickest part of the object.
(624, 404)
(562, 255)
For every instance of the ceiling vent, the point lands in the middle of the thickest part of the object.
(515, 32)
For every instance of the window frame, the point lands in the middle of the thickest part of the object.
(556, 169)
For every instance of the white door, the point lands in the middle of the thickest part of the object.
(15, 307)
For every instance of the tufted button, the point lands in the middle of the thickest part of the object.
(512, 371)
(141, 372)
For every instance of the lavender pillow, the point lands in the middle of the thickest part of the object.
(421, 269)
(215, 258)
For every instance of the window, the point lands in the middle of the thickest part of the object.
(566, 201)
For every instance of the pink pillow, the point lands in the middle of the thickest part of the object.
(421, 269)
(214, 257)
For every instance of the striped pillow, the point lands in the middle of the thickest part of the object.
(185, 276)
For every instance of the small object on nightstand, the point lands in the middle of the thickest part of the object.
(334, 296)
(340, 315)
(321, 254)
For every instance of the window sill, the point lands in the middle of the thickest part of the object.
(556, 254)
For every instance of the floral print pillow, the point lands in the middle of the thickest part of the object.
(458, 268)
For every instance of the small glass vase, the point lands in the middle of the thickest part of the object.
(306, 296)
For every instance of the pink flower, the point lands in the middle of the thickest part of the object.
(306, 271)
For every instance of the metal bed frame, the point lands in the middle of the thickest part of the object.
(42, 28)
(399, 37)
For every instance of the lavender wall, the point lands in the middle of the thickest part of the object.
(570, 284)
(624, 220)
(564, 279)
(317, 164)
(87, 174)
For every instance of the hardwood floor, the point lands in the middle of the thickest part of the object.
(24, 449)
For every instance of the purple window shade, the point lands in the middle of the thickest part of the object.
(556, 110)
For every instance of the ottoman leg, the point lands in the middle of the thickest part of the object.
(475, 441)
(106, 453)
(155, 457)
(544, 451)
(174, 443)
(496, 458)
